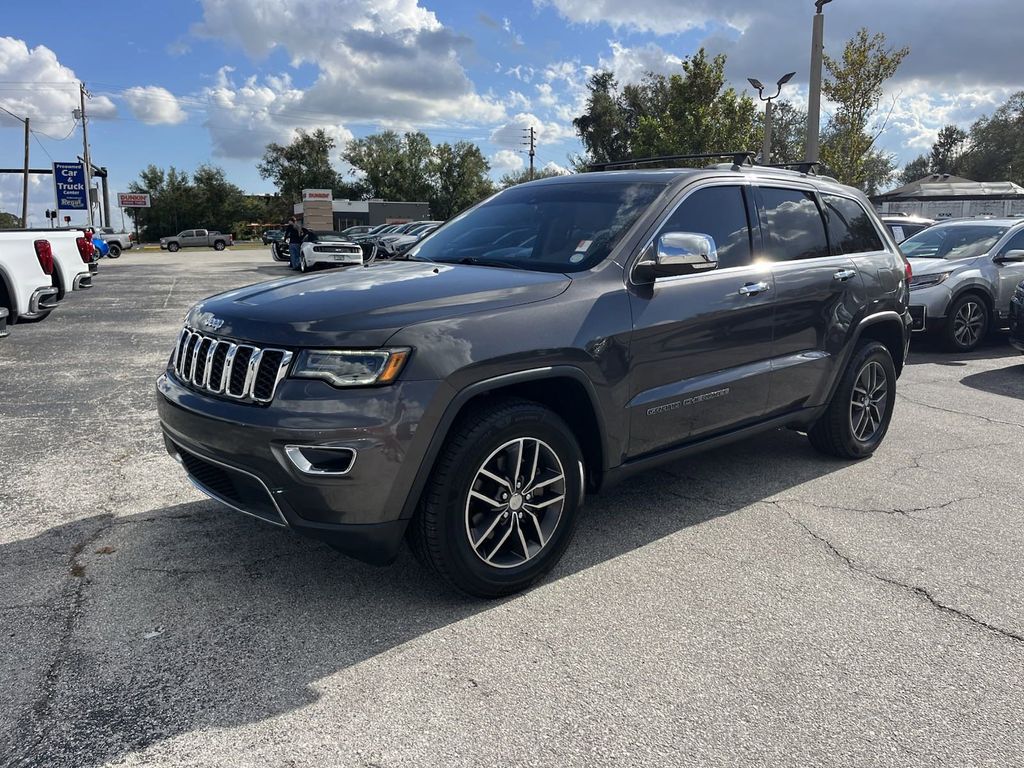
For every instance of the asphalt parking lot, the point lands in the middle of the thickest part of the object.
(757, 605)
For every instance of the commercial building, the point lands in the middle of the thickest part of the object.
(319, 210)
(942, 196)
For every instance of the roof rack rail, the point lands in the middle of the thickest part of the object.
(804, 166)
(738, 158)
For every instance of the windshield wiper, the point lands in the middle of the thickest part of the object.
(477, 262)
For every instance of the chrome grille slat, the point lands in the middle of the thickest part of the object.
(195, 363)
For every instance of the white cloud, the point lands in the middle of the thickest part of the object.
(243, 118)
(518, 100)
(561, 170)
(521, 72)
(378, 60)
(506, 161)
(511, 134)
(659, 16)
(154, 105)
(631, 64)
(43, 89)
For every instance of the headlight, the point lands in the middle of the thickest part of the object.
(927, 281)
(351, 368)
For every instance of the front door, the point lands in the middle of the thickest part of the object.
(701, 342)
(1010, 275)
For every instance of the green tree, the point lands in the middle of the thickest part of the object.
(305, 163)
(393, 167)
(996, 143)
(948, 151)
(691, 112)
(789, 127)
(916, 169)
(520, 177)
(9, 221)
(855, 82)
(458, 178)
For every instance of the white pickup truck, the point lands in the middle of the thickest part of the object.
(27, 265)
(74, 262)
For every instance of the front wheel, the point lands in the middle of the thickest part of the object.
(967, 323)
(503, 499)
(114, 250)
(173, 247)
(857, 418)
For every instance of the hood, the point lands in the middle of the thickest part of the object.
(364, 306)
(935, 266)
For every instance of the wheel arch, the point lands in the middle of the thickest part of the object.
(982, 290)
(566, 390)
(8, 297)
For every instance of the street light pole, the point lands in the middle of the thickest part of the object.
(811, 149)
(766, 149)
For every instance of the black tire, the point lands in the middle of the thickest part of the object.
(440, 532)
(173, 247)
(218, 245)
(839, 432)
(967, 323)
(302, 264)
(115, 250)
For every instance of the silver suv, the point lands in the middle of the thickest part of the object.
(965, 273)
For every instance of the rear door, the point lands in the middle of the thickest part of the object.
(701, 342)
(817, 295)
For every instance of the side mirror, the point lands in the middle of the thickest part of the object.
(1009, 257)
(678, 253)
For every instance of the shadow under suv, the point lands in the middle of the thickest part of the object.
(554, 339)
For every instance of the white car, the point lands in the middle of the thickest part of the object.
(26, 275)
(328, 249)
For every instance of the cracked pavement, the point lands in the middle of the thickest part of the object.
(757, 605)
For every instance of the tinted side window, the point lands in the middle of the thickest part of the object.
(795, 227)
(1015, 243)
(721, 213)
(850, 228)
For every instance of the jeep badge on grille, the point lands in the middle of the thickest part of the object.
(209, 321)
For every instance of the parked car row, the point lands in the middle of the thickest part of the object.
(355, 245)
(39, 268)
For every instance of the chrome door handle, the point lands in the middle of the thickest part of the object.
(844, 274)
(750, 289)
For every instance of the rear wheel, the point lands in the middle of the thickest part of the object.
(303, 267)
(219, 245)
(503, 499)
(115, 250)
(967, 323)
(858, 416)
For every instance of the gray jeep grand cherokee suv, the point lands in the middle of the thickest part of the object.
(550, 341)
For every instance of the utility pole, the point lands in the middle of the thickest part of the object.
(85, 151)
(766, 149)
(531, 134)
(811, 149)
(24, 182)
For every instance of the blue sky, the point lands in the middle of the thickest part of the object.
(185, 82)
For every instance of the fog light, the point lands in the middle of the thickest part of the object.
(321, 460)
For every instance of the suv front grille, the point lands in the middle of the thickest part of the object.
(221, 367)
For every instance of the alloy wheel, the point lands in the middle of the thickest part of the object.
(515, 502)
(968, 324)
(868, 401)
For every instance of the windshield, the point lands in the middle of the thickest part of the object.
(956, 242)
(547, 227)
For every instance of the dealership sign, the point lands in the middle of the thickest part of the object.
(69, 184)
(317, 194)
(133, 200)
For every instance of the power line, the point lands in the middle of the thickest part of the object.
(35, 135)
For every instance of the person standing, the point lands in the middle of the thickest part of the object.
(294, 234)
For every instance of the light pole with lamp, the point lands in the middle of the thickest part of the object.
(766, 151)
(814, 94)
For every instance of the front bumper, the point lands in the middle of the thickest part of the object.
(42, 301)
(928, 307)
(235, 453)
